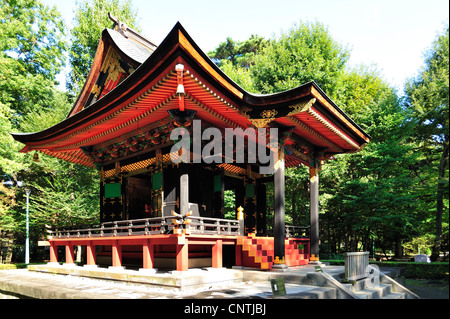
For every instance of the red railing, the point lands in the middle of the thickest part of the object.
(165, 225)
(151, 226)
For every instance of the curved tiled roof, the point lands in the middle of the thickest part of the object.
(147, 93)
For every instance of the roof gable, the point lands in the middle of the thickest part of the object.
(120, 51)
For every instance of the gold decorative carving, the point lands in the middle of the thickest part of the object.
(301, 107)
(96, 90)
(243, 111)
(111, 65)
(261, 122)
(269, 113)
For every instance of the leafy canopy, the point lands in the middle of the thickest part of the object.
(32, 47)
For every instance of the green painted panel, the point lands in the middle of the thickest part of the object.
(217, 183)
(113, 190)
(157, 181)
(250, 190)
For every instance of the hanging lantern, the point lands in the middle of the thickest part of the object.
(180, 87)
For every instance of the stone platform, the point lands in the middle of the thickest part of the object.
(193, 278)
(55, 281)
(49, 282)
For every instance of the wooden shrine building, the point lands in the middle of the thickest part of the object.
(163, 213)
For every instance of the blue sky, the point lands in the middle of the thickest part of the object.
(392, 34)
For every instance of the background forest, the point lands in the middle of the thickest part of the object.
(392, 196)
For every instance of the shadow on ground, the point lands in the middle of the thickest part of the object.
(429, 289)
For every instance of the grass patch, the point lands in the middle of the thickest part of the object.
(17, 266)
(7, 266)
(413, 270)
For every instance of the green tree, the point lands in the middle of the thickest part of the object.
(371, 194)
(32, 50)
(63, 193)
(32, 47)
(367, 196)
(235, 58)
(33, 34)
(239, 53)
(91, 18)
(239, 74)
(11, 160)
(427, 96)
(307, 52)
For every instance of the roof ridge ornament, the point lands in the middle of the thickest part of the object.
(119, 26)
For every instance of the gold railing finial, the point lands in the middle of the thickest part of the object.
(240, 214)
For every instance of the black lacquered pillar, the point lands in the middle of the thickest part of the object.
(279, 211)
(184, 190)
(314, 213)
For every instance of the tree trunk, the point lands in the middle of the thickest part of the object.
(6, 247)
(440, 205)
(398, 248)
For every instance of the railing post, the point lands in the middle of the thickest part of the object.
(162, 226)
(217, 227)
(146, 227)
(240, 217)
(202, 226)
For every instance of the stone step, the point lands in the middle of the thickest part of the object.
(314, 293)
(379, 291)
(395, 295)
(374, 294)
(363, 284)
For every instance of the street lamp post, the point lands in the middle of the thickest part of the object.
(27, 241)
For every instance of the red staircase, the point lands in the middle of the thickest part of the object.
(296, 252)
(258, 252)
